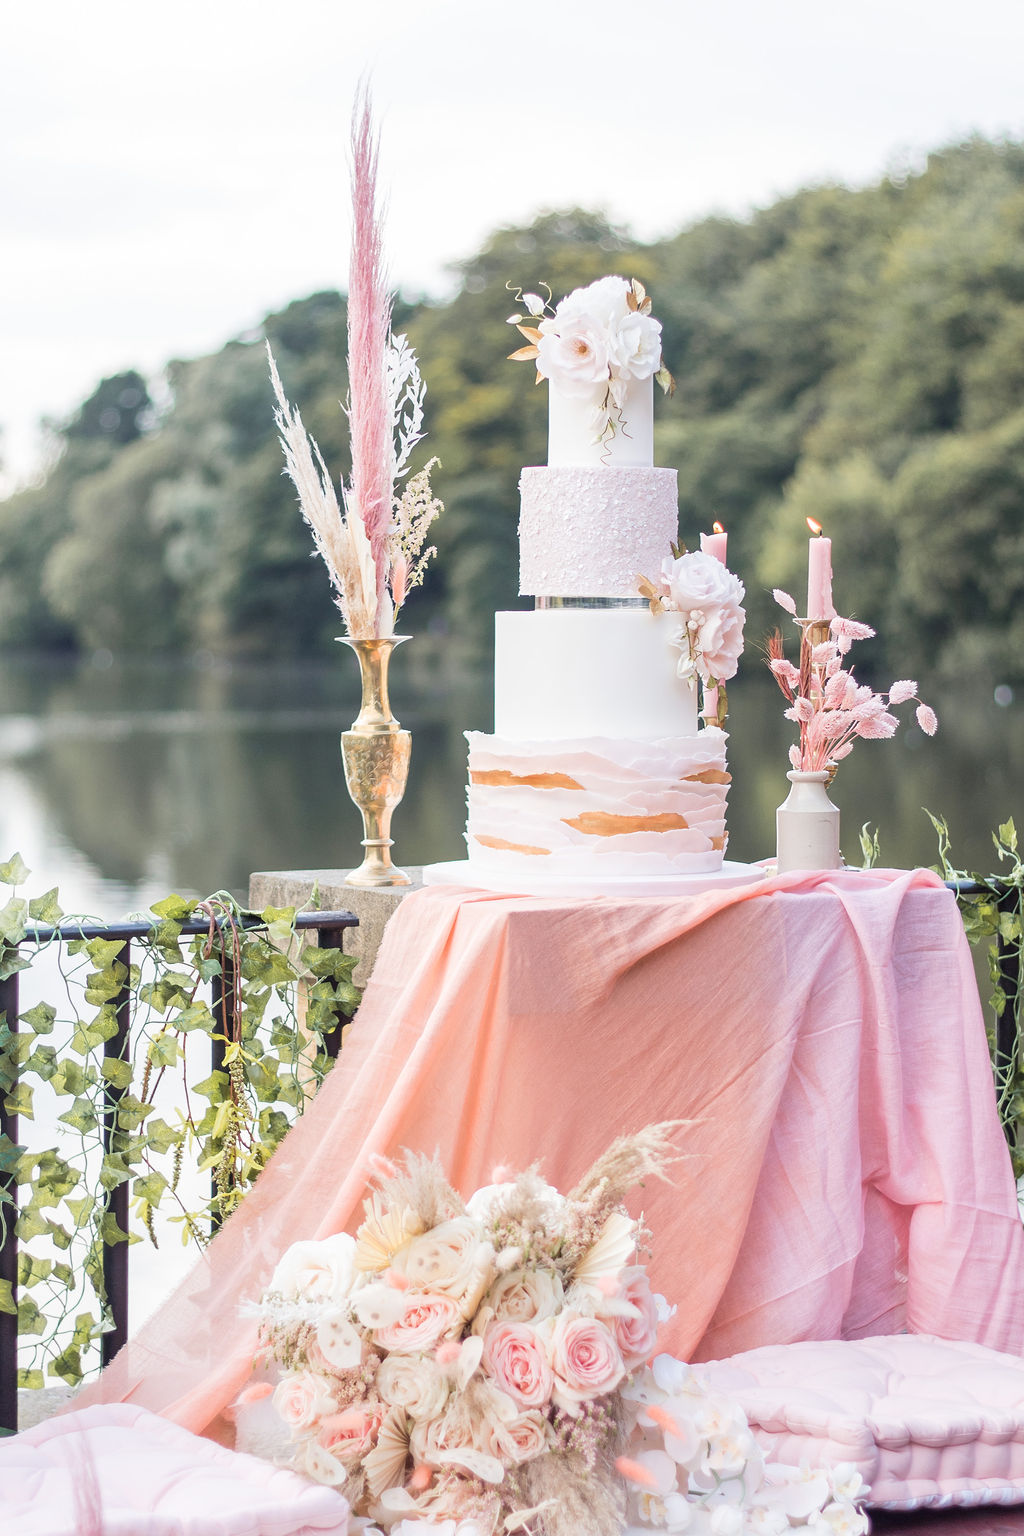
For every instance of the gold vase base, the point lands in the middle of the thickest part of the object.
(377, 868)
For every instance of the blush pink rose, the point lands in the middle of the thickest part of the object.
(303, 1399)
(427, 1319)
(637, 1337)
(584, 1358)
(349, 1435)
(515, 1360)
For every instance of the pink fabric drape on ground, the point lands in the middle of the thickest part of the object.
(846, 1172)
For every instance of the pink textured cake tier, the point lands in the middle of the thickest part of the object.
(589, 532)
(598, 805)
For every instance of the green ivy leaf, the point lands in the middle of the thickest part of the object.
(113, 1171)
(61, 1238)
(1008, 835)
(177, 908)
(29, 1225)
(13, 918)
(86, 1329)
(81, 1210)
(71, 1078)
(161, 1137)
(19, 1101)
(15, 871)
(150, 1187)
(117, 1072)
(131, 1112)
(163, 1051)
(64, 1273)
(40, 1019)
(46, 908)
(30, 1318)
(87, 1036)
(31, 1269)
(7, 1301)
(30, 1380)
(215, 1087)
(43, 1062)
(67, 1366)
(112, 1233)
(10, 1154)
(81, 1116)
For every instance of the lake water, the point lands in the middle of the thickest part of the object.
(121, 781)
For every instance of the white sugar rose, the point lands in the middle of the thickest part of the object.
(604, 303)
(573, 354)
(708, 599)
(452, 1259)
(635, 347)
(413, 1383)
(316, 1271)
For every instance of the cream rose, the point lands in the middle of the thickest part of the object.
(519, 1439)
(303, 1399)
(425, 1321)
(452, 1259)
(522, 1296)
(316, 1271)
(583, 1356)
(516, 1361)
(637, 1335)
(414, 1384)
(701, 589)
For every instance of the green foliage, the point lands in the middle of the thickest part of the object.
(993, 915)
(855, 355)
(285, 995)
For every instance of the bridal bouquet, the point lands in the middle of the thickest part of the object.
(828, 704)
(470, 1368)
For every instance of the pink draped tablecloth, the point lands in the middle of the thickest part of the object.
(845, 1176)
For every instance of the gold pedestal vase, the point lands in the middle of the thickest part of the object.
(375, 752)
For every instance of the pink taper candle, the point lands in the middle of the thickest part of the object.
(819, 575)
(715, 543)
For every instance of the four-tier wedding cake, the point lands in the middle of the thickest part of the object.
(596, 773)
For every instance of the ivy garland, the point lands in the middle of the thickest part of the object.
(288, 995)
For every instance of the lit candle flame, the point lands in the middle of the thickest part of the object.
(717, 527)
(813, 526)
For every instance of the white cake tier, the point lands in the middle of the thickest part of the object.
(590, 532)
(589, 672)
(573, 437)
(597, 805)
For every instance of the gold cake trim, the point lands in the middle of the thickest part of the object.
(503, 843)
(610, 824)
(504, 778)
(709, 776)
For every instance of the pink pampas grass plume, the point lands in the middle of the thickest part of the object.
(369, 327)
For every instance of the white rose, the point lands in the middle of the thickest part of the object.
(634, 347)
(413, 1383)
(302, 1399)
(316, 1271)
(699, 585)
(452, 1259)
(573, 354)
(603, 302)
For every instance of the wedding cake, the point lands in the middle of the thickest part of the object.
(596, 771)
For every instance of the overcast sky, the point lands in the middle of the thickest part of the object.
(168, 173)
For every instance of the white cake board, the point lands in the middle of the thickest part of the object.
(461, 872)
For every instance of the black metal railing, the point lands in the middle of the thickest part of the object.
(329, 928)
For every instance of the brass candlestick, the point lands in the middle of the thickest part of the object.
(375, 751)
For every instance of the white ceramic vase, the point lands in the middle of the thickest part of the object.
(807, 825)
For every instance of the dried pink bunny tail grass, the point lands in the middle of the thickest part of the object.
(369, 327)
(396, 1279)
(254, 1393)
(634, 1472)
(663, 1419)
(420, 1478)
(448, 1352)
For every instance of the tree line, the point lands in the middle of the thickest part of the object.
(853, 355)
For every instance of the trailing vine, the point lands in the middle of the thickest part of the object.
(168, 1111)
(993, 912)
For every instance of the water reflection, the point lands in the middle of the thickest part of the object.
(120, 782)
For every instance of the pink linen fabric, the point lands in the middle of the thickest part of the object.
(927, 1423)
(118, 1470)
(845, 1174)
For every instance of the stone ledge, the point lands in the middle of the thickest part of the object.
(373, 905)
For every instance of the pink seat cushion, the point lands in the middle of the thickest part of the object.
(152, 1476)
(926, 1421)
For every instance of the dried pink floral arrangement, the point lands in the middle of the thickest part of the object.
(831, 708)
(372, 544)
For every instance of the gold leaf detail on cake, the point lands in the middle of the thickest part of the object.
(504, 778)
(501, 842)
(530, 332)
(522, 355)
(708, 776)
(610, 824)
(718, 843)
(647, 589)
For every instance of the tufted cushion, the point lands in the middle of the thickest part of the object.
(926, 1421)
(152, 1476)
